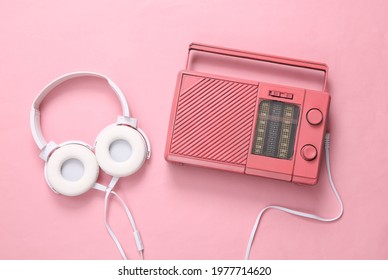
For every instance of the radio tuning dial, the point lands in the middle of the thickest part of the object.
(314, 116)
(309, 152)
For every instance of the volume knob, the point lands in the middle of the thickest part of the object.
(314, 116)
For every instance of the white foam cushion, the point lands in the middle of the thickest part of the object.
(136, 158)
(54, 165)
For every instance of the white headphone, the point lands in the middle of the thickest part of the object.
(73, 153)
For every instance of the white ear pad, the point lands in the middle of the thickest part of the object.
(72, 169)
(135, 154)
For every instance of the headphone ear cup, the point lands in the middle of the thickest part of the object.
(74, 156)
(136, 157)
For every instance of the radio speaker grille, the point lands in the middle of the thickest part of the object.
(214, 120)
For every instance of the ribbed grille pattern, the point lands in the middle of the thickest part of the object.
(214, 120)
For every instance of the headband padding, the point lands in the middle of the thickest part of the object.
(135, 141)
(57, 159)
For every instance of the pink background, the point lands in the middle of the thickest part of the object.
(188, 212)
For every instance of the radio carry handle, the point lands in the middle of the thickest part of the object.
(260, 57)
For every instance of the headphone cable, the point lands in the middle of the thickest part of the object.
(108, 191)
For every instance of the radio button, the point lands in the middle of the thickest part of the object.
(276, 93)
(314, 116)
(309, 152)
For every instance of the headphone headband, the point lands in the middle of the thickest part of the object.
(35, 110)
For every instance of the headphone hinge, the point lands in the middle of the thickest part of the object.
(47, 150)
(132, 122)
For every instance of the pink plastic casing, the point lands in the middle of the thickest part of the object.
(213, 120)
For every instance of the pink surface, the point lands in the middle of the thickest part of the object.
(187, 212)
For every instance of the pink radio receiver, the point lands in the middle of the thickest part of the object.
(246, 126)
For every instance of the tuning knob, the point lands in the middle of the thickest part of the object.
(309, 152)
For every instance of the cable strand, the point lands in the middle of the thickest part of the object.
(299, 213)
(108, 192)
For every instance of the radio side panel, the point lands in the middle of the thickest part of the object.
(310, 148)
